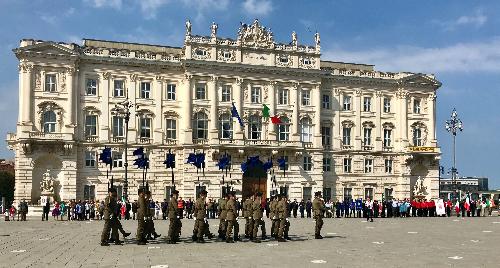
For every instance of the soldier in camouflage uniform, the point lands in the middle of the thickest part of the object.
(109, 207)
(318, 209)
(149, 229)
(201, 226)
(222, 217)
(257, 218)
(282, 213)
(173, 217)
(141, 214)
(232, 219)
(273, 216)
(247, 214)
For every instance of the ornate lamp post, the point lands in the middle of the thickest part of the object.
(123, 109)
(453, 126)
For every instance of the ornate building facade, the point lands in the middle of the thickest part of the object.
(346, 129)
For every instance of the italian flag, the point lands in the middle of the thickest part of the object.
(467, 203)
(265, 113)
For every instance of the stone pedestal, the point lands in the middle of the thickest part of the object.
(46, 197)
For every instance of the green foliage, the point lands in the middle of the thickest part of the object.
(7, 186)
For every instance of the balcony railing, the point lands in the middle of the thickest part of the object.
(170, 142)
(367, 148)
(144, 140)
(50, 136)
(92, 138)
(347, 147)
(200, 141)
(118, 139)
(387, 148)
(307, 144)
(258, 142)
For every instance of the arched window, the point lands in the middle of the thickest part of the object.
(225, 127)
(254, 127)
(200, 126)
(284, 129)
(49, 122)
(306, 129)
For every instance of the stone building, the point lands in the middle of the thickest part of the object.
(346, 129)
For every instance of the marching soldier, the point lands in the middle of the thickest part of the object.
(318, 210)
(273, 216)
(150, 230)
(200, 220)
(257, 218)
(109, 208)
(173, 217)
(282, 212)
(222, 216)
(115, 222)
(141, 214)
(247, 213)
(232, 219)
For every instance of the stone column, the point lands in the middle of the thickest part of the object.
(403, 115)
(295, 101)
(213, 96)
(25, 96)
(316, 102)
(131, 94)
(378, 131)
(158, 117)
(104, 122)
(431, 113)
(337, 124)
(187, 111)
(357, 106)
(238, 102)
(272, 109)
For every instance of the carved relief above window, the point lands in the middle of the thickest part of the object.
(226, 55)
(170, 114)
(284, 60)
(307, 63)
(91, 110)
(419, 133)
(347, 123)
(201, 53)
(50, 117)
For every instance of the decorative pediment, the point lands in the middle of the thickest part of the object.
(91, 110)
(170, 114)
(255, 35)
(420, 80)
(48, 48)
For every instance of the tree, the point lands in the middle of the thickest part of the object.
(7, 186)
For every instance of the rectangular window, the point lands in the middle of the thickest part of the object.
(387, 105)
(347, 194)
(89, 192)
(226, 93)
(171, 129)
(368, 165)
(388, 166)
(367, 137)
(255, 95)
(367, 104)
(347, 103)
(388, 193)
(117, 159)
(417, 137)
(199, 189)
(387, 137)
(168, 192)
(307, 193)
(286, 163)
(119, 88)
(416, 106)
(326, 101)
(327, 193)
(306, 97)
(326, 136)
(327, 164)
(145, 127)
(283, 96)
(307, 163)
(145, 90)
(90, 159)
(171, 92)
(50, 82)
(369, 193)
(346, 136)
(201, 91)
(90, 125)
(347, 165)
(91, 87)
(118, 126)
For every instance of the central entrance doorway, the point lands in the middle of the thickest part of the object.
(254, 180)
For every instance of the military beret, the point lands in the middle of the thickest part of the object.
(175, 192)
(318, 193)
(141, 190)
(148, 192)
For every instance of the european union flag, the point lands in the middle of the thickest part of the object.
(268, 165)
(139, 151)
(223, 162)
(142, 162)
(234, 113)
(170, 161)
(200, 160)
(191, 158)
(282, 162)
(244, 167)
(105, 156)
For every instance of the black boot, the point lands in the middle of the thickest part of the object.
(126, 234)
(200, 240)
(318, 236)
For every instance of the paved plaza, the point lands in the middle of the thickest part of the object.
(406, 242)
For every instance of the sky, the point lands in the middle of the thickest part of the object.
(458, 41)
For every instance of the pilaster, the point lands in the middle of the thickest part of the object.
(272, 108)
(158, 119)
(186, 92)
(214, 100)
(295, 101)
(105, 122)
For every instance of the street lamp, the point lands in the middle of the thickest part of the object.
(453, 126)
(123, 109)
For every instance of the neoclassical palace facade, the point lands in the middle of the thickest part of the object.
(345, 129)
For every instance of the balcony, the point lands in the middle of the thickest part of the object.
(387, 148)
(200, 141)
(144, 140)
(118, 139)
(367, 148)
(170, 142)
(258, 142)
(91, 138)
(53, 136)
(347, 147)
(307, 144)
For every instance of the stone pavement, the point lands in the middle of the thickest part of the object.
(406, 242)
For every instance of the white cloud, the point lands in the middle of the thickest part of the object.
(257, 7)
(477, 20)
(204, 6)
(53, 19)
(116, 4)
(150, 7)
(461, 57)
